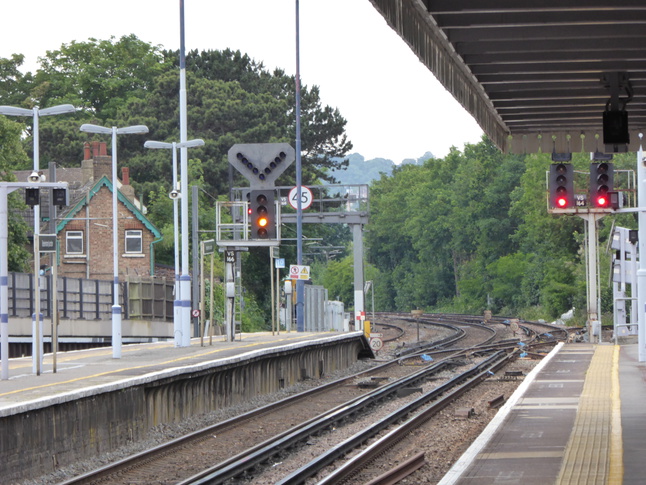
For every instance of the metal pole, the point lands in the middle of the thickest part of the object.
(641, 272)
(177, 303)
(37, 329)
(185, 278)
(633, 284)
(271, 277)
(230, 299)
(211, 309)
(202, 294)
(357, 244)
(593, 301)
(116, 308)
(4, 284)
(300, 284)
(36, 321)
(54, 309)
(197, 274)
(54, 262)
(278, 300)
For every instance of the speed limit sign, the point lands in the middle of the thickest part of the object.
(376, 343)
(306, 197)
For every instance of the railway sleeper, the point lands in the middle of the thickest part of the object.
(407, 391)
(497, 402)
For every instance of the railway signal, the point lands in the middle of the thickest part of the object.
(262, 214)
(561, 185)
(601, 184)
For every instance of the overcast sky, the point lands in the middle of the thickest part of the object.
(394, 106)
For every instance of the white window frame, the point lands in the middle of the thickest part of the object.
(74, 236)
(131, 235)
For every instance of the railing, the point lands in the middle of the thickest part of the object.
(80, 299)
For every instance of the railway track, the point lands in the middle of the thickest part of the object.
(228, 450)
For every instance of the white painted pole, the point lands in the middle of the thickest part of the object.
(185, 278)
(177, 303)
(4, 283)
(116, 307)
(641, 272)
(593, 310)
(37, 354)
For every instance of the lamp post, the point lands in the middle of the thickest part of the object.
(36, 113)
(116, 308)
(175, 195)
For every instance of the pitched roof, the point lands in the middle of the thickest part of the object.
(105, 182)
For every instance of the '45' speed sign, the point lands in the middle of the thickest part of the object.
(306, 197)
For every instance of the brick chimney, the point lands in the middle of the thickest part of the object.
(96, 162)
(127, 189)
(102, 162)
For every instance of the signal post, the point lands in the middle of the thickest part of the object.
(600, 200)
(256, 222)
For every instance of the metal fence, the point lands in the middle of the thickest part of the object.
(80, 299)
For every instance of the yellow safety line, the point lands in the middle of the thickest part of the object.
(593, 453)
(193, 356)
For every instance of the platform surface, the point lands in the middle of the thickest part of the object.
(579, 418)
(84, 372)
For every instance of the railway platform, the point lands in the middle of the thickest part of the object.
(94, 403)
(578, 418)
(87, 372)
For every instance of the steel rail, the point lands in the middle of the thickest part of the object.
(260, 453)
(243, 462)
(165, 449)
(442, 395)
(168, 447)
(401, 471)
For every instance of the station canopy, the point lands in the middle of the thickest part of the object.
(536, 75)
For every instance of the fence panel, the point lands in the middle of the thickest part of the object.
(81, 299)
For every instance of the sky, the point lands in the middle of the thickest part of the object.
(394, 106)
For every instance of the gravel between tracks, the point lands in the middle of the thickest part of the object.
(449, 438)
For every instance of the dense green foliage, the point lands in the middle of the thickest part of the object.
(477, 234)
(119, 82)
(11, 151)
(463, 233)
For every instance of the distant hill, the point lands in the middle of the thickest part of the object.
(362, 171)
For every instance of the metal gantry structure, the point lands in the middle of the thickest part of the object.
(237, 226)
(599, 199)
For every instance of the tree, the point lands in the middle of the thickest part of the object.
(231, 99)
(99, 76)
(14, 85)
(11, 152)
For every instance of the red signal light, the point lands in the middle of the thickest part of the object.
(561, 202)
(602, 201)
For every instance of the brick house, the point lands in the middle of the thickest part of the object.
(84, 229)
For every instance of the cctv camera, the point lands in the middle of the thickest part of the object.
(34, 177)
(174, 194)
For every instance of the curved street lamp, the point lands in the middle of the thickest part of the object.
(179, 327)
(36, 113)
(116, 308)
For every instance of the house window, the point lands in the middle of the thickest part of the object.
(74, 242)
(134, 241)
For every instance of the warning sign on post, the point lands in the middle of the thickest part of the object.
(299, 272)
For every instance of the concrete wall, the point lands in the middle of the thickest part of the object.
(20, 328)
(39, 437)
